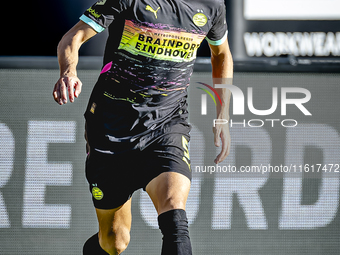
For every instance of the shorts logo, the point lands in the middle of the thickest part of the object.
(97, 193)
(93, 108)
(200, 19)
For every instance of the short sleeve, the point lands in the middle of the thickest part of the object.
(100, 15)
(219, 30)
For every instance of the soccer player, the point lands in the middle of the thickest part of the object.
(136, 120)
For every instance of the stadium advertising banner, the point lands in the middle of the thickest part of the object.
(277, 192)
(306, 30)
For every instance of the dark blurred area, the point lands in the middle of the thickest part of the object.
(257, 44)
(43, 23)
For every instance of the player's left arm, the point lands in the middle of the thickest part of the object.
(222, 72)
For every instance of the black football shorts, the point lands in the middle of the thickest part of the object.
(113, 178)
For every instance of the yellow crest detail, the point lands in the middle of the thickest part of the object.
(97, 193)
(200, 19)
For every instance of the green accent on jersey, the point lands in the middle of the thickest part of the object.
(93, 12)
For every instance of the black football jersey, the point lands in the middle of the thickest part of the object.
(149, 57)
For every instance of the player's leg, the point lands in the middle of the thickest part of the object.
(114, 228)
(169, 192)
(114, 231)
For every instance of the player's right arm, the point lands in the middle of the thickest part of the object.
(68, 49)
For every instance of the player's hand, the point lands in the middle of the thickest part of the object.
(221, 134)
(70, 85)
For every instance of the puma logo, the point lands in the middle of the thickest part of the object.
(149, 8)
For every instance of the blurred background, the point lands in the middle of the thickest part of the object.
(263, 35)
(45, 205)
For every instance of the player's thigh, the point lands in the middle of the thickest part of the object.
(169, 191)
(113, 220)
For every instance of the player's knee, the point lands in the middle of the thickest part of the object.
(122, 239)
(170, 204)
(115, 242)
